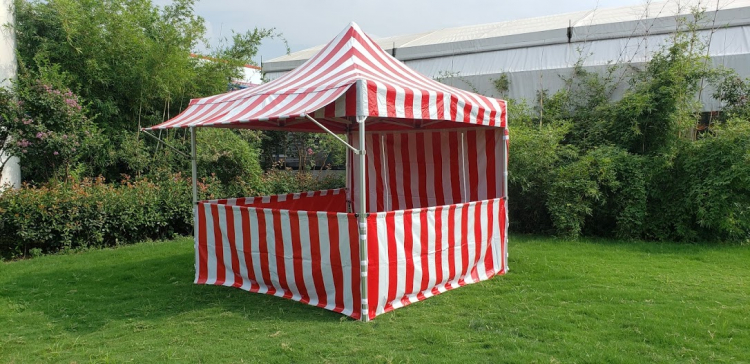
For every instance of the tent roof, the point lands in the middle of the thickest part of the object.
(351, 76)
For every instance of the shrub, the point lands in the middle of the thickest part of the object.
(91, 213)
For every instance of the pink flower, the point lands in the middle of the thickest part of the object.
(309, 151)
(73, 150)
(65, 136)
(24, 151)
(27, 121)
(55, 153)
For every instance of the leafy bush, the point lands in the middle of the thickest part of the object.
(92, 213)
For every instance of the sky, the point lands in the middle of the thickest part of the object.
(308, 23)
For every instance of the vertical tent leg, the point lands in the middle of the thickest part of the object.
(505, 191)
(194, 164)
(362, 217)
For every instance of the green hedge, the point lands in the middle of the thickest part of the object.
(92, 213)
(66, 216)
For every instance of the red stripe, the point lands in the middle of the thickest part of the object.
(372, 98)
(202, 245)
(406, 183)
(464, 242)
(489, 155)
(247, 249)
(317, 269)
(451, 242)
(265, 271)
(489, 264)
(480, 115)
(473, 159)
(392, 256)
(373, 264)
(351, 102)
(454, 107)
(438, 246)
(455, 167)
(379, 187)
(351, 221)
(425, 253)
(329, 110)
(440, 105)
(409, 256)
(409, 104)
(421, 161)
(221, 269)
(393, 185)
(467, 112)
(437, 157)
(229, 211)
(390, 101)
(299, 275)
(503, 237)
(478, 241)
(280, 253)
(336, 263)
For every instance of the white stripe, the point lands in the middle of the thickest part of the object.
(416, 253)
(399, 201)
(210, 246)
(413, 170)
(457, 235)
(239, 239)
(383, 271)
(325, 257)
(306, 256)
(347, 265)
(286, 233)
(271, 258)
(447, 220)
(431, 248)
(255, 248)
(225, 245)
(471, 242)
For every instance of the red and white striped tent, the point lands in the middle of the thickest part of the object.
(424, 210)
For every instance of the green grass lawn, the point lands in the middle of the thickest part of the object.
(563, 301)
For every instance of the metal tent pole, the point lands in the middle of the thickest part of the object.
(362, 217)
(194, 162)
(505, 192)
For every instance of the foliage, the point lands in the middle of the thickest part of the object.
(584, 164)
(92, 213)
(230, 158)
(130, 64)
(50, 130)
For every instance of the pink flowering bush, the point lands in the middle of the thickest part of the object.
(47, 128)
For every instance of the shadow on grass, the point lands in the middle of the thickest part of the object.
(84, 299)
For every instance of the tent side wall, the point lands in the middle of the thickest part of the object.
(416, 254)
(306, 256)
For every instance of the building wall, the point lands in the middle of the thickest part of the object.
(11, 174)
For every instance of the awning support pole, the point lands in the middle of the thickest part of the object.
(362, 217)
(334, 134)
(165, 143)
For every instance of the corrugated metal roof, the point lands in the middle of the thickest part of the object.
(602, 23)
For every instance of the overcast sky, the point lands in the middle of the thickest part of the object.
(307, 23)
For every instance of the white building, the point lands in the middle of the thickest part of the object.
(11, 174)
(534, 53)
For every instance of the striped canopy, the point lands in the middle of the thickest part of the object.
(350, 77)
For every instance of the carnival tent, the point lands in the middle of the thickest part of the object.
(424, 209)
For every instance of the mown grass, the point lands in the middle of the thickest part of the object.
(563, 301)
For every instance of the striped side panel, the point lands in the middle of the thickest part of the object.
(310, 257)
(431, 168)
(416, 254)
